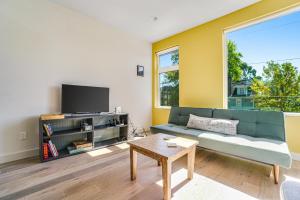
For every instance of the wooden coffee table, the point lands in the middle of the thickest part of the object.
(155, 146)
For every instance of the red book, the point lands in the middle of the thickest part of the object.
(45, 151)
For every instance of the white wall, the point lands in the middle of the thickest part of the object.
(43, 45)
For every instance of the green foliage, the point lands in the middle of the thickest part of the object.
(237, 69)
(248, 72)
(279, 88)
(170, 90)
(170, 84)
(235, 62)
(175, 58)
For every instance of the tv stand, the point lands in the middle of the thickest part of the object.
(106, 129)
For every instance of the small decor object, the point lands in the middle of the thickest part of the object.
(140, 70)
(118, 109)
(171, 144)
(86, 127)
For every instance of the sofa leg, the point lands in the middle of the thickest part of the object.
(276, 173)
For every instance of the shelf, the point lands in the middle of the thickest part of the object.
(91, 115)
(106, 126)
(61, 154)
(105, 143)
(68, 132)
(64, 137)
(97, 145)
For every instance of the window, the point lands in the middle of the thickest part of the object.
(263, 65)
(168, 77)
(242, 91)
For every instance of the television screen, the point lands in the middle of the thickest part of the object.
(84, 99)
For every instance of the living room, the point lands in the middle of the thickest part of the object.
(149, 99)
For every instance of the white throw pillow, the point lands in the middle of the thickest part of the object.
(225, 126)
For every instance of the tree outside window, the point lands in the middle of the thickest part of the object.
(168, 76)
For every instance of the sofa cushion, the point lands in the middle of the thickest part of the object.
(180, 115)
(224, 126)
(260, 149)
(260, 124)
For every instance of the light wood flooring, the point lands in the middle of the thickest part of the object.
(105, 174)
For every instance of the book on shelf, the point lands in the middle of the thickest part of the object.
(82, 144)
(72, 149)
(45, 151)
(52, 116)
(48, 129)
(52, 149)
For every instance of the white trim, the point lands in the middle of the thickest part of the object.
(263, 19)
(167, 50)
(292, 114)
(225, 70)
(296, 156)
(168, 69)
(19, 155)
(164, 107)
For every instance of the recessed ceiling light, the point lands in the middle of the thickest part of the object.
(155, 18)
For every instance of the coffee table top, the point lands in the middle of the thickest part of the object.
(157, 144)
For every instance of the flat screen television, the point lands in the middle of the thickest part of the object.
(84, 99)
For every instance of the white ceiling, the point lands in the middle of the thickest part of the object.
(136, 16)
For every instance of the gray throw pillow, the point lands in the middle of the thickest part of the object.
(224, 126)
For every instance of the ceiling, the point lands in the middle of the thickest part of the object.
(137, 16)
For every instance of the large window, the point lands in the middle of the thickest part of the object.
(168, 77)
(263, 63)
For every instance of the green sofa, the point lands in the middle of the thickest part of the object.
(260, 134)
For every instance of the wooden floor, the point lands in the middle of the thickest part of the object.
(104, 174)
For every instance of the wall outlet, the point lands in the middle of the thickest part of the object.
(23, 135)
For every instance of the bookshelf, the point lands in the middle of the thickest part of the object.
(107, 129)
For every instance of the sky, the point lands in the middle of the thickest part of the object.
(275, 39)
(165, 59)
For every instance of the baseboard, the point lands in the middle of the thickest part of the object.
(296, 156)
(19, 155)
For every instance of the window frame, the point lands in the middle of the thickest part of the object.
(243, 25)
(164, 70)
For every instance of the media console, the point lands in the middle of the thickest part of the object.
(104, 130)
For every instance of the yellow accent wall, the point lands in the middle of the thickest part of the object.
(201, 67)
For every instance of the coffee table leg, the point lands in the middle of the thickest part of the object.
(191, 163)
(133, 163)
(166, 174)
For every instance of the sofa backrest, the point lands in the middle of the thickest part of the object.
(181, 115)
(265, 124)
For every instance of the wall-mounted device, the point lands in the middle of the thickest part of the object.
(140, 70)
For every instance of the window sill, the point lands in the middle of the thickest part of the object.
(163, 107)
(291, 114)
